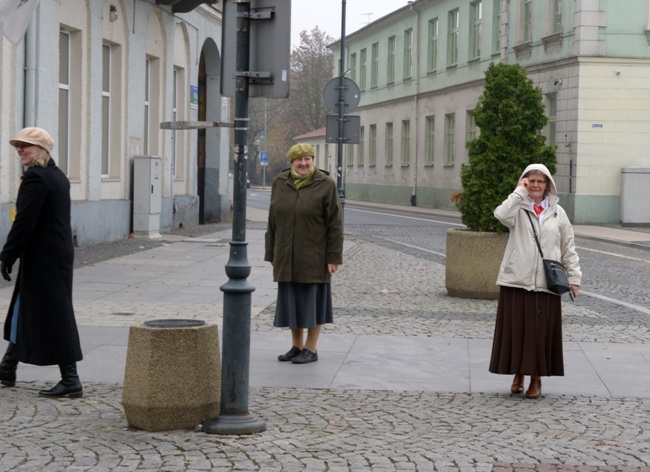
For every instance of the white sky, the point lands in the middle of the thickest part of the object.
(326, 14)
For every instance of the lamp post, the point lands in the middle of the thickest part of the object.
(234, 417)
(339, 155)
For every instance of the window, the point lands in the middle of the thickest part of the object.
(452, 39)
(362, 69)
(430, 139)
(556, 16)
(476, 17)
(373, 145)
(374, 68)
(178, 101)
(353, 67)
(526, 21)
(496, 26)
(450, 138)
(350, 154)
(106, 108)
(389, 144)
(552, 118)
(472, 129)
(408, 54)
(362, 146)
(390, 67)
(432, 52)
(64, 100)
(406, 142)
(147, 107)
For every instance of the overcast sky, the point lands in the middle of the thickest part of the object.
(326, 14)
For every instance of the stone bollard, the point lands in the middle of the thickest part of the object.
(172, 378)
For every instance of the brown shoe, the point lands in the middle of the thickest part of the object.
(517, 384)
(535, 388)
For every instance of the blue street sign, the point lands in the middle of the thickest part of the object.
(264, 157)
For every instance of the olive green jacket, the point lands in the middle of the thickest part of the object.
(305, 229)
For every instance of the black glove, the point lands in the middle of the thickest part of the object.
(5, 270)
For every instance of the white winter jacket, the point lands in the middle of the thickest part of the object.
(522, 264)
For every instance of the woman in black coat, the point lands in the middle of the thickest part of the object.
(40, 324)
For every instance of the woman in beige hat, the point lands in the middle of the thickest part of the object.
(40, 324)
(304, 242)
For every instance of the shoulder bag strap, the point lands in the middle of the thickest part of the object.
(535, 234)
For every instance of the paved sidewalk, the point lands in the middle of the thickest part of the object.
(401, 384)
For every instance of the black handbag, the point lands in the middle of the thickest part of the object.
(556, 276)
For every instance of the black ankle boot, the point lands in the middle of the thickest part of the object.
(69, 386)
(8, 367)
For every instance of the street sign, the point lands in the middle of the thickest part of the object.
(264, 158)
(351, 128)
(351, 95)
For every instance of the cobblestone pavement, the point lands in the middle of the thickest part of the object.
(325, 430)
(352, 430)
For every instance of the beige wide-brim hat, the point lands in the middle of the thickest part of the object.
(37, 136)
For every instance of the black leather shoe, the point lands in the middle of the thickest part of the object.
(305, 357)
(290, 354)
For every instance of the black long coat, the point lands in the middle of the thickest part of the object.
(41, 238)
(305, 229)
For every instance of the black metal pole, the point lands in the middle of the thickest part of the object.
(339, 163)
(234, 417)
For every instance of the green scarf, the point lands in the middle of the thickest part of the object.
(301, 180)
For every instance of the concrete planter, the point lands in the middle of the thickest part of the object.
(172, 378)
(473, 260)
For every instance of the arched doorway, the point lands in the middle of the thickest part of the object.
(212, 143)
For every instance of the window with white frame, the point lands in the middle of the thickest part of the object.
(147, 107)
(362, 146)
(63, 149)
(526, 21)
(406, 142)
(362, 69)
(106, 109)
(408, 54)
(390, 63)
(452, 37)
(496, 26)
(389, 144)
(556, 16)
(353, 67)
(374, 68)
(476, 19)
(432, 51)
(472, 128)
(551, 103)
(372, 160)
(450, 139)
(430, 139)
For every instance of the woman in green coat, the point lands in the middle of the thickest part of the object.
(304, 243)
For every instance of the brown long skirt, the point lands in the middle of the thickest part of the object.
(528, 334)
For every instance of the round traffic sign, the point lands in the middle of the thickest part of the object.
(351, 94)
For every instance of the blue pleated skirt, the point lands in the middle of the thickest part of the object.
(303, 305)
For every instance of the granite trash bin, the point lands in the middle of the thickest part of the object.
(172, 378)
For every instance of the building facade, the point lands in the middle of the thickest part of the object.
(421, 70)
(101, 76)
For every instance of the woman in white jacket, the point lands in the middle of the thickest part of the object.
(528, 331)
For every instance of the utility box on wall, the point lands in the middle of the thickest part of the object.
(147, 196)
(635, 194)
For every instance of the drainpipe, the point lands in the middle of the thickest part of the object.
(415, 103)
(29, 93)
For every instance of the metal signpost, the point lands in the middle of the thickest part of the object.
(256, 37)
(264, 162)
(342, 94)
